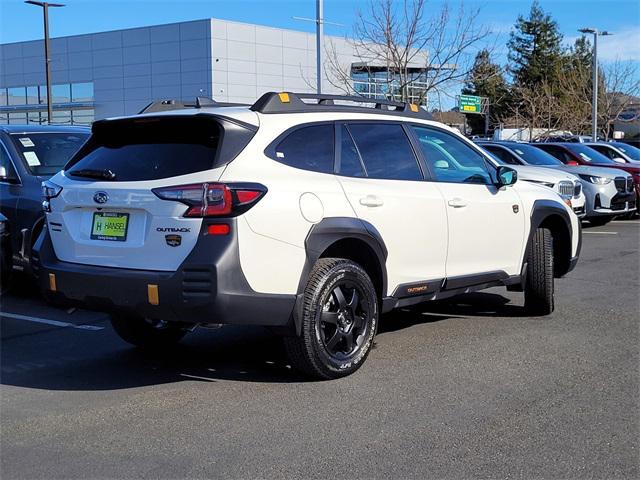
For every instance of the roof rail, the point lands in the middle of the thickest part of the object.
(288, 102)
(170, 104)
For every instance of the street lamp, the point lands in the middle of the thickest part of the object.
(47, 60)
(594, 104)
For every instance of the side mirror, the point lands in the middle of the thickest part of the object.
(572, 163)
(619, 160)
(506, 176)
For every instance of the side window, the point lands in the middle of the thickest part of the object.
(556, 152)
(450, 159)
(502, 154)
(5, 161)
(386, 151)
(350, 164)
(308, 148)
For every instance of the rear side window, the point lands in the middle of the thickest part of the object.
(308, 148)
(502, 154)
(154, 148)
(386, 151)
(350, 165)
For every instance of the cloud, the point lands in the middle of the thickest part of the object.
(624, 44)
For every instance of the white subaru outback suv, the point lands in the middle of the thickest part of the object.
(312, 214)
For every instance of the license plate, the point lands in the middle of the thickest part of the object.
(110, 226)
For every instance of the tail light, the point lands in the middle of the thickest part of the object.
(49, 190)
(214, 199)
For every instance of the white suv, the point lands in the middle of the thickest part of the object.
(313, 214)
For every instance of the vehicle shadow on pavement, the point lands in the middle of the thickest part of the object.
(72, 360)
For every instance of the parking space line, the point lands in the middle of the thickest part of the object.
(602, 233)
(46, 321)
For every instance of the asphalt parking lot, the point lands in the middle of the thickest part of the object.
(459, 389)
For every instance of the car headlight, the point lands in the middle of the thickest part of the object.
(595, 179)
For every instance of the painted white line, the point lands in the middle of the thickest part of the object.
(601, 233)
(46, 321)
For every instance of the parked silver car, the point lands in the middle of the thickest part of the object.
(609, 192)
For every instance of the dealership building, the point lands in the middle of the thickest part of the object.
(119, 72)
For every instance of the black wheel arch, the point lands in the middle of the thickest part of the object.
(548, 214)
(345, 237)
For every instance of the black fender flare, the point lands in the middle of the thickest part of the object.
(543, 209)
(329, 231)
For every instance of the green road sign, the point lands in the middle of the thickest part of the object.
(469, 104)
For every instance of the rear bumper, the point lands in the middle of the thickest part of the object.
(209, 286)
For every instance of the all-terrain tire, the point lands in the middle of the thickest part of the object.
(145, 333)
(340, 291)
(539, 283)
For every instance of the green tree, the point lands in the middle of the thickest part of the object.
(486, 79)
(535, 48)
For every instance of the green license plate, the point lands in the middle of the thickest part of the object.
(110, 226)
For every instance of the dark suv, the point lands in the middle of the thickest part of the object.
(30, 154)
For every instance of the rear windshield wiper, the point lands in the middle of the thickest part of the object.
(104, 174)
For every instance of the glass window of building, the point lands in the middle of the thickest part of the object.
(17, 96)
(34, 118)
(33, 97)
(82, 92)
(62, 117)
(43, 93)
(3, 97)
(18, 118)
(61, 93)
(82, 117)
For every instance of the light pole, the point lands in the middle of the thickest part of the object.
(47, 60)
(594, 68)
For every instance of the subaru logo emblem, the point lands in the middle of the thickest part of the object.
(100, 197)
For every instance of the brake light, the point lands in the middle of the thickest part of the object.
(218, 229)
(213, 199)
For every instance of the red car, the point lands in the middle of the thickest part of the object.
(579, 154)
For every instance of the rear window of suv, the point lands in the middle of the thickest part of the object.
(154, 148)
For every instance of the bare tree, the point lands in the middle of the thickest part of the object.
(414, 49)
(621, 85)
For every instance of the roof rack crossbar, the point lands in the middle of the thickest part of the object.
(171, 104)
(288, 102)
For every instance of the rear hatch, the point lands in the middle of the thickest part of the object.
(109, 211)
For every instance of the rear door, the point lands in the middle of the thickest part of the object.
(107, 213)
(486, 223)
(384, 183)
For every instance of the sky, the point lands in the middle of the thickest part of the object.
(19, 22)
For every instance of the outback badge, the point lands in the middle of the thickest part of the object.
(173, 240)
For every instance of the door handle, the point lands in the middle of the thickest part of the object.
(371, 201)
(457, 203)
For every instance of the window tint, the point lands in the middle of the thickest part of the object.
(157, 148)
(589, 155)
(47, 153)
(308, 148)
(535, 156)
(450, 159)
(503, 155)
(386, 151)
(349, 158)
